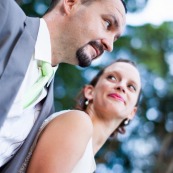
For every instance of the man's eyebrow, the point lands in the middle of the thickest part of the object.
(117, 37)
(116, 24)
(115, 21)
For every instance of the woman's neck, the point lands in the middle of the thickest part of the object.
(101, 131)
(103, 126)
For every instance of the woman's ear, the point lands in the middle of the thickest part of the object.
(133, 113)
(89, 92)
(68, 5)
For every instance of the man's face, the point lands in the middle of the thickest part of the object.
(93, 28)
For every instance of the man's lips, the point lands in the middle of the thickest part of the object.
(98, 48)
(97, 51)
(117, 97)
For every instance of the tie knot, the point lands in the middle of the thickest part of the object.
(33, 93)
(47, 69)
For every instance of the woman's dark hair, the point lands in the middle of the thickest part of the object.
(80, 100)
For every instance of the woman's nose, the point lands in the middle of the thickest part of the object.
(120, 86)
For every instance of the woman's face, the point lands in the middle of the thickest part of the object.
(117, 91)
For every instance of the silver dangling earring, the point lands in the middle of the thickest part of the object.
(86, 102)
(126, 122)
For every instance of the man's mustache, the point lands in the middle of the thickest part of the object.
(98, 46)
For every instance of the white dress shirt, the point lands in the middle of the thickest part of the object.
(20, 121)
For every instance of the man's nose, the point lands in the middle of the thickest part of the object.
(108, 44)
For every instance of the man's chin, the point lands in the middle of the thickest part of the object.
(83, 59)
(84, 64)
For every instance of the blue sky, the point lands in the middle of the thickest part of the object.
(155, 12)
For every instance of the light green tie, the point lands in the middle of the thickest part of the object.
(35, 90)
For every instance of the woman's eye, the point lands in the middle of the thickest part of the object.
(110, 77)
(132, 87)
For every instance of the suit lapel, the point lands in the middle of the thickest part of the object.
(15, 164)
(16, 67)
(11, 81)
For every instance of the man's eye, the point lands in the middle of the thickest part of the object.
(110, 77)
(108, 23)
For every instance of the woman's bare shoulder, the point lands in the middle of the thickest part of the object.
(63, 141)
(75, 119)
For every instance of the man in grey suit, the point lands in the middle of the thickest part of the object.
(73, 32)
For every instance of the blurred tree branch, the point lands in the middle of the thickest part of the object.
(19, 1)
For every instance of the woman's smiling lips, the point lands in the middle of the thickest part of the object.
(117, 97)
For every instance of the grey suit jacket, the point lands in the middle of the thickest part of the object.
(18, 35)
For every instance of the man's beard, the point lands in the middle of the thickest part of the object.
(83, 59)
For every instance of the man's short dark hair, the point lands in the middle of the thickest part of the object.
(53, 3)
(124, 4)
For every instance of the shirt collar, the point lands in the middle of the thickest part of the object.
(43, 45)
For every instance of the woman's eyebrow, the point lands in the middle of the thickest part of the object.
(135, 83)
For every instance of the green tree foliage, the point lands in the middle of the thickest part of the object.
(147, 146)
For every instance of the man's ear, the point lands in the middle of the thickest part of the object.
(68, 5)
(89, 92)
(133, 113)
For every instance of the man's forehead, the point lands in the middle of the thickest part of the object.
(118, 11)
